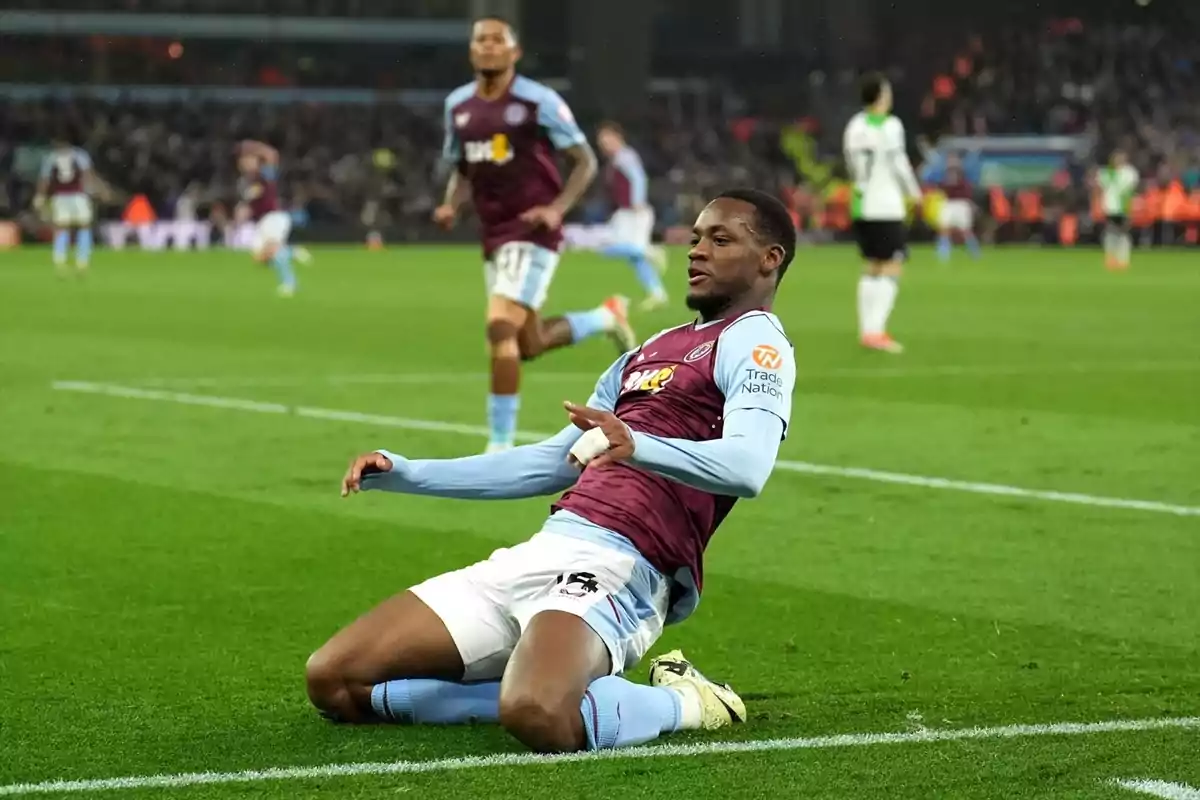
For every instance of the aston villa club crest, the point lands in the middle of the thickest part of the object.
(515, 114)
(699, 353)
(461, 119)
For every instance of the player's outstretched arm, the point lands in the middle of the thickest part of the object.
(529, 471)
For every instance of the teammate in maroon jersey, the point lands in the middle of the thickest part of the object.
(957, 216)
(65, 178)
(537, 636)
(258, 195)
(501, 133)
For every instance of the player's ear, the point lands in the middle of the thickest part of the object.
(772, 258)
(517, 53)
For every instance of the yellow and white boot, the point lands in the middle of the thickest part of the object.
(706, 705)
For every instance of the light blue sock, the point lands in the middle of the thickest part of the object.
(647, 275)
(502, 417)
(62, 243)
(617, 713)
(973, 245)
(421, 701)
(943, 246)
(282, 264)
(587, 323)
(83, 246)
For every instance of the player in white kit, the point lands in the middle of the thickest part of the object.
(65, 177)
(1117, 183)
(884, 184)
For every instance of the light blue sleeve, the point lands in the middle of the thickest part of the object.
(555, 116)
(451, 147)
(756, 367)
(629, 164)
(83, 160)
(269, 172)
(47, 168)
(529, 471)
(756, 371)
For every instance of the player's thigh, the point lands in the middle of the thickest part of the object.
(521, 272)
(402, 637)
(276, 227)
(601, 579)
(80, 210)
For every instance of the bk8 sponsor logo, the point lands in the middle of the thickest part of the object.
(649, 380)
(497, 150)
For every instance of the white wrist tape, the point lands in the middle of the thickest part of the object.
(590, 445)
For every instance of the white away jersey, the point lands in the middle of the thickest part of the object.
(1117, 187)
(878, 164)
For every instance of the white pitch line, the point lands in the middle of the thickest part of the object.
(804, 467)
(435, 378)
(1171, 791)
(655, 751)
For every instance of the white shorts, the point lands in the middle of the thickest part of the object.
(273, 228)
(522, 272)
(633, 226)
(570, 566)
(71, 210)
(957, 215)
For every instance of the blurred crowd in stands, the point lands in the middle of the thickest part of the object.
(1132, 86)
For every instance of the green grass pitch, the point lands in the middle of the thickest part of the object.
(166, 567)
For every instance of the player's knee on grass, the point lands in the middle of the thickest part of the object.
(542, 722)
(330, 691)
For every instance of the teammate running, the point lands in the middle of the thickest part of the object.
(258, 191)
(633, 217)
(537, 636)
(883, 179)
(501, 133)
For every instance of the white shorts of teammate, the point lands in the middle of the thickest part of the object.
(571, 566)
(521, 272)
(633, 226)
(71, 210)
(273, 229)
(957, 215)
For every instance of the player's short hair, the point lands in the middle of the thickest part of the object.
(497, 18)
(611, 125)
(773, 222)
(870, 86)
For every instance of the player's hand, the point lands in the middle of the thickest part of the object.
(547, 217)
(444, 216)
(620, 438)
(367, 464)
(39, 201)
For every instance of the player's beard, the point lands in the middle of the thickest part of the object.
(708, 306)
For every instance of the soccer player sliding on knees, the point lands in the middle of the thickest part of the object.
(538, 636)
